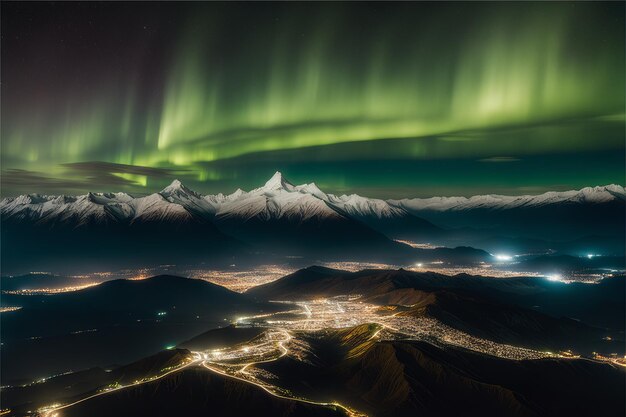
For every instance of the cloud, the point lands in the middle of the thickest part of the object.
(23, 178)
(21, 181)
(81, 177)
(100, 168)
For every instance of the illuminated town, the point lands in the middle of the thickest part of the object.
(281, 338)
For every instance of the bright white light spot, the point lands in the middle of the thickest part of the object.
(590, 255)
(554, 277)
(503, 257)
(419, 265)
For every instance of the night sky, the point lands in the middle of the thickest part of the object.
(386, 100)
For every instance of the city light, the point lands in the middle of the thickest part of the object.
(7, 309)
(554, 277)
(503, 257)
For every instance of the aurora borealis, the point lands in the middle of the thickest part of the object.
(403, 99)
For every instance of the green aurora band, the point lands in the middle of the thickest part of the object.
(419, 81)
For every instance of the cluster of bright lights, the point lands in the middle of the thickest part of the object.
(44, 291)
(554, 277)
(503, 257)
(241, 280)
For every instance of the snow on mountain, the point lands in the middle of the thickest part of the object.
(92, 207)
(157, 208)
(217, 199)
(277, 182)
(588, 195)
(313, 190)
(355, 205)
(24, 207)
(85, 210)
(177, 193)
(276, 199)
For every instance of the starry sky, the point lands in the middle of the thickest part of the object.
(386, 100)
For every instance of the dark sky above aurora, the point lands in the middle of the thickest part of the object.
(386, 100)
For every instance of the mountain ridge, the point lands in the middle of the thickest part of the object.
(353, 204)
(280, 218)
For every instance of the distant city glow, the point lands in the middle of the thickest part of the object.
(42, 291)
(503, 257)
(554, 277)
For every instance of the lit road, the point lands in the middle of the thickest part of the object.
(272, 390)
(55, 409)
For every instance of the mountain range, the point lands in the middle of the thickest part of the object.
(178, 224)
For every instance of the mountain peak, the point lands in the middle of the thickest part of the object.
(175, 184)
(177, 188)
(277, 182)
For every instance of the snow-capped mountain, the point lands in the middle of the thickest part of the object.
(294, 217)
(157, 208)
(178, 222)
(282, 218)
(277, 199)
(590, 215)
(178, 194)
(587, 195)
(116, 230)
(356, 205)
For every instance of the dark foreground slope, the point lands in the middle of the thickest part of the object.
(111, 323)
(438, 382)
(406, 378)
(222, 337)
(196, 392)
(73, 386)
